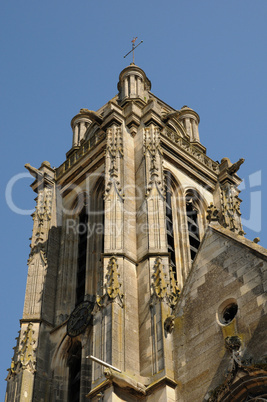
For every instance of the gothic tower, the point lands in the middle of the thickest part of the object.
(138, 258)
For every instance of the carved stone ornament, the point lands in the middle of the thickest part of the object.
(169, 324)
(174, 291)
(230, 216)
(232, 343)
(24, 353)
(112, 287)
(164, 288)
(39, 248)
(194, 151)
(235, 166)
(159, 282)
(114, 155)
(153, 157)
(42, 216)
(212, 213)
(243, 378)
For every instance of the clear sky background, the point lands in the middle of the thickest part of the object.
(60, 56)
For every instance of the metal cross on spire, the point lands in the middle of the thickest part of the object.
(133, 47)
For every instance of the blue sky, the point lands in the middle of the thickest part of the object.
(60, 56)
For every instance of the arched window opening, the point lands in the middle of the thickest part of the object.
(95, 248)
(192, 225)
(74, 363)
(82, 253)
(169, 223)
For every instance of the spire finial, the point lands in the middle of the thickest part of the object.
(133, 47)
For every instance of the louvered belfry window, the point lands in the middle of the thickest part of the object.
(169, 223)
(192, 225)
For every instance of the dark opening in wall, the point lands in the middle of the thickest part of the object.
(229, 313)
(82, 253)
(74, 364)
(193, 229)
(169, 224)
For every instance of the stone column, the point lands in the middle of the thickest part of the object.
(188, 127)
(195, 131)
(139, 86)
(125, 88)
(82, 130)
(75, 136)
(132, 86)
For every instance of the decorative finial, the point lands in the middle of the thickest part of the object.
(133, 48)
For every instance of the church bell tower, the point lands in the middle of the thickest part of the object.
(117, 231)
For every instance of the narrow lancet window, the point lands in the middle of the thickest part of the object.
(82, 253)
(169, 223)
(192, 225)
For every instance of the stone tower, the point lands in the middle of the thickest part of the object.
(138, 258)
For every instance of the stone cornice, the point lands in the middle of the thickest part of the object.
(35, 320)
(153, 254)
(79, 154)
(119, 255)
(78, 172)
(161, 382)
(191, 167)
(137, 388)
(113, 117)
(193, 152)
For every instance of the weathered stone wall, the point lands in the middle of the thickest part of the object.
(227, 267)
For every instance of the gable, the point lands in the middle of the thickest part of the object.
(227, 270)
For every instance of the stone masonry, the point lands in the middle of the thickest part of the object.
(138, 258)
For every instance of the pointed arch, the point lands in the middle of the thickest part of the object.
(88, 211)
(175, 224)
(195, 207)
(185, 225)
